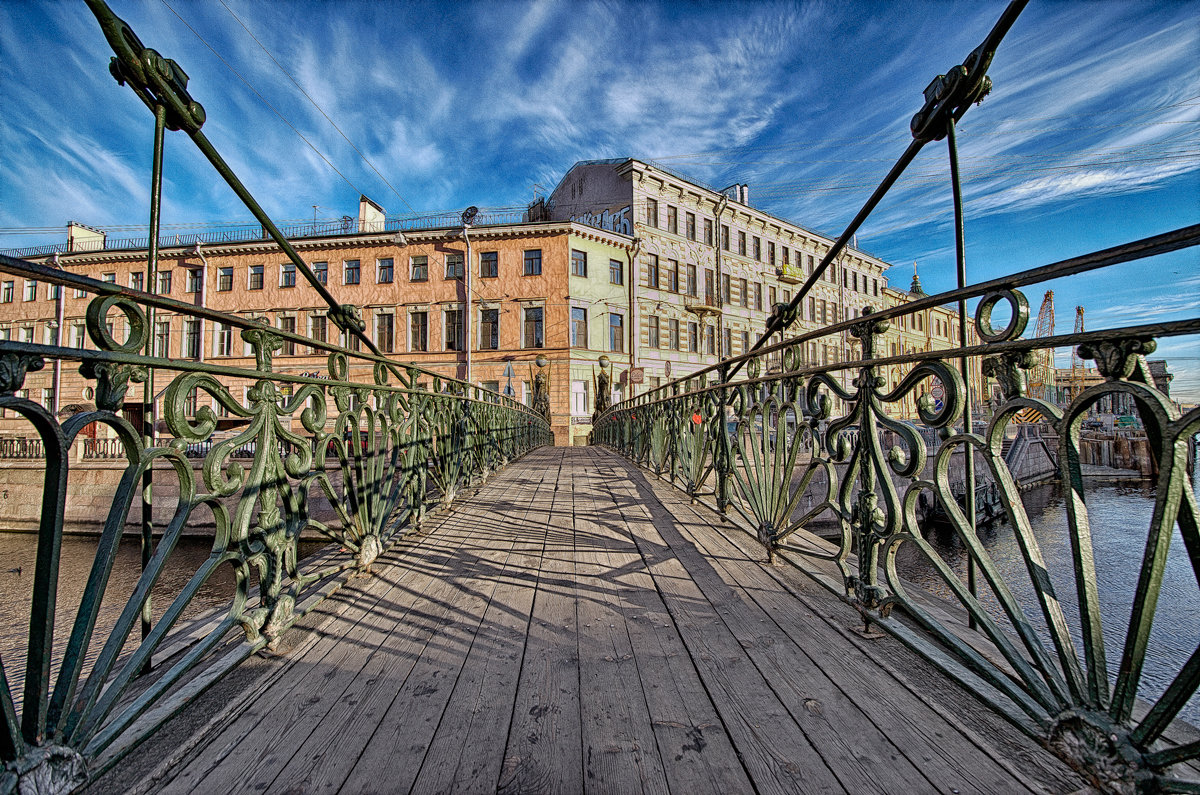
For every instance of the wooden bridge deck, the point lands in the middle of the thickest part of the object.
(576, 626)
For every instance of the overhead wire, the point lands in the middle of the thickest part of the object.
(264, 100)
(321, 110)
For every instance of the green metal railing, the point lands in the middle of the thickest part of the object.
(381, 441)
(820, 462)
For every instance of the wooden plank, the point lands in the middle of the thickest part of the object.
(466, 751)
(398, 744)
(777, 754)
(543, 752)
(913, 716)
(243, 746)
(695, 749)
(620, 750)
(897, 721)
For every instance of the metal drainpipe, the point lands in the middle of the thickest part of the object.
(721, 205)
(58, 336)
(634, 275)
(203, 294)
(467, 310)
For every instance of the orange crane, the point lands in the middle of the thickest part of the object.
(1041, 375)
(1077, 368)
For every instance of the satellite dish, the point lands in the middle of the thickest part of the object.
(468, 216)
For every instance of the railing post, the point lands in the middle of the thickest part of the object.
(724, 448)
(960, 255)
(160, 120)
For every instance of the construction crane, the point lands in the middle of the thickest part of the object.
(1041, 375)
(1077, 368)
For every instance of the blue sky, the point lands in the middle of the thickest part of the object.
(1091, 136)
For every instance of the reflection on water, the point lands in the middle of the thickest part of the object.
(17, 552)
(1119, 516)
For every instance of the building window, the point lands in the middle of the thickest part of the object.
(743, 293)
(27, 333)
(616, 333)
(652, 324)
(224, 339)
(691, 279)
(652, 212)
(726, 291)
(53, 291)
(191, 338)
(711, 334)
(108, 278)
(616, 271)
(693, 337)
(708, 232)
(579, 397)
(710, 294)
(6, 293)
(350, 271)
(318, 329)
(287, 274)
(224, 280)
(726, 343)
(771, 253)
(741, 238)
(385, 332)
(673, 333)
(162, 339)
(690, 226)
(534, 327)
(419, 268)
(288, 326)
(137, 281)
(773, 296)
(191, 403)
(454, 329)
(758, 249)
(489, 264)
(745, 342)
(321, 271)
(419, 331)
(651, 271)
(164, 282)
(672, 220)
(578, 263)
(193, 280)
(489, 329)
(784, 251)
(758, 296)
(78, 335)
(454, 265)
(533, 262)
(725, 237)
(579, 329)
(875, 287)
(673, 275)
(384, 269)
(256, 277)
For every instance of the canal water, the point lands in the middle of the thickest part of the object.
(1119, 515)
(17, 552)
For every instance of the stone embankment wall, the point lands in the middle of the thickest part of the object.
(92, 487)
(1118, 451)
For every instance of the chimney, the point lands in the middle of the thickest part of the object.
(371, 217)
(84, 238)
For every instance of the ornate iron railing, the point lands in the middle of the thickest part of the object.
(773, 453)
(819, 464)
(379, 441)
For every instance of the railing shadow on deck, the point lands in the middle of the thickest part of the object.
(836, 462)
(403, 440)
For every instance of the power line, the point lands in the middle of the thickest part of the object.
(261, 97)
(318, 107)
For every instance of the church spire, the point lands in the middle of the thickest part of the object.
(915, 290)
